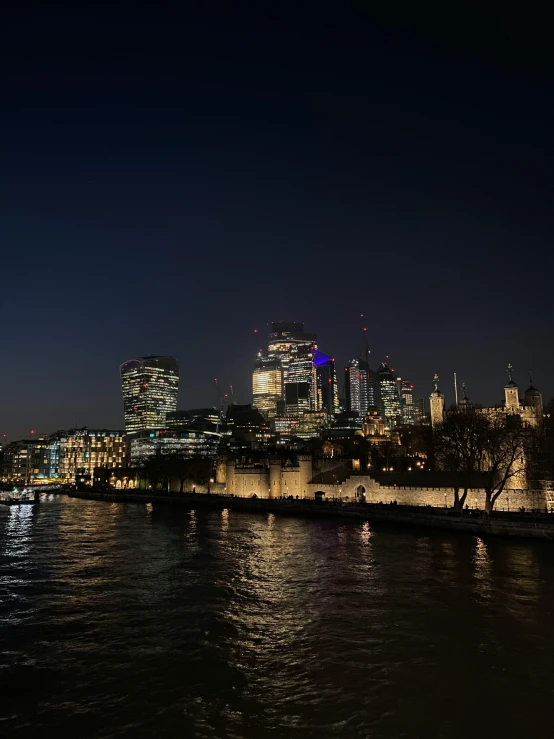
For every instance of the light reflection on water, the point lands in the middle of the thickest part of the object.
(126, 620)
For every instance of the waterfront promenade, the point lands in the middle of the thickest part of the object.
(529, 525)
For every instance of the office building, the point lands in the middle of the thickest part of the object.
(149, 386)
(361, 388)
(283, 338)
(327, 388)
(247, 426)
(183, 442)
(27, 460)
(301, 381)
(407, 404)
(82, 450)
(267, 384)
(390, 395)
(203, 419)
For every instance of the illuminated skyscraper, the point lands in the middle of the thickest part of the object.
(327, 389)
(267, 384)
(274, 379)
(149, 386)
(300, 380)
(284, 341)
(390, 395)
(407, 404)
(360, 387)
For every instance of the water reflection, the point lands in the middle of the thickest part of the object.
(482, 569)
(223, 624)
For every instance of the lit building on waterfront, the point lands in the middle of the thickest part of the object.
(149, 387)
(27, 460)
(82, 450)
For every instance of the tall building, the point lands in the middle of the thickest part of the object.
(327, 388)
(300, 381)
(407, 405)
(390, 396)
(284, 342)
(149, 386)
(360, 387)
(267, 384)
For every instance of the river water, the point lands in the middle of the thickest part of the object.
(132, 621)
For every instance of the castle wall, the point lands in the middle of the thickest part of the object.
(275, 478)
(275, 481)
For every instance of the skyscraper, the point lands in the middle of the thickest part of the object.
(267, 384)
(300, 380)
(407, 404)
(149, 386)
(287, 342)
(360, 387)
(390, 396)
(327, 389)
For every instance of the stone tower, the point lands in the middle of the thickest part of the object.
(533, 402)
(511, 393)
(436, 401)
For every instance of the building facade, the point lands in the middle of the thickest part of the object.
(267, 384)
(360, 387)
(390, 395)
(149, 386)
(183, 442)
(82, 450)
(408, 407)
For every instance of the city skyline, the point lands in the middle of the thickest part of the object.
(311, 170)
(242, 388)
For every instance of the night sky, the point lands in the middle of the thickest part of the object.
(171, 181)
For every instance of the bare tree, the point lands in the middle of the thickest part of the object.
(505, 455)
(459, 443)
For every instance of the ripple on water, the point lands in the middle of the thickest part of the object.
(125, 621)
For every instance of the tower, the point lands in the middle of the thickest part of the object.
(359, 386)
(533, 403)
(390, 395)
(511, 393)
(149, 386)
(436, 401)
(267, 384)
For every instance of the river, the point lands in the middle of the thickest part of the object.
(122, 620)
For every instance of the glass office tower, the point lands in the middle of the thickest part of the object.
(267, 384)
(390, 395)
(149, 386)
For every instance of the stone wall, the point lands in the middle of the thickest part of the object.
(273, 481)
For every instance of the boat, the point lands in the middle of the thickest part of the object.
(25, 496)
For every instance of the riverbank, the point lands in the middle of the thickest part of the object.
(473, 522)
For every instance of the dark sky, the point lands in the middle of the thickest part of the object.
(172, 180)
